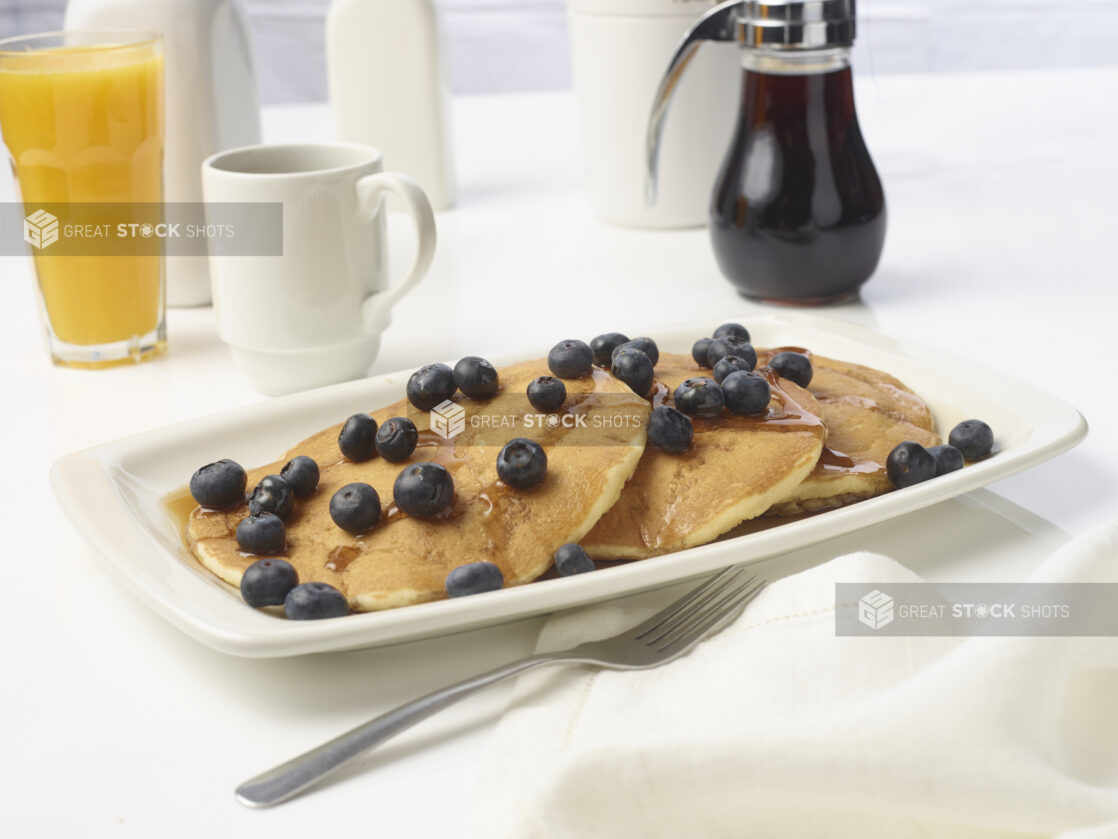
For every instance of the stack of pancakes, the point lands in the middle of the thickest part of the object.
(815, 448)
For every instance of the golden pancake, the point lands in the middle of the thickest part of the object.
(736, 468)
(592, 449)
(867, 413)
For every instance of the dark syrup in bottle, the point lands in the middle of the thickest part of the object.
(798, 212)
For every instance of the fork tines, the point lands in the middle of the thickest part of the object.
(697, 613)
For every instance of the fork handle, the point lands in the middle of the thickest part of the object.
(290, 778)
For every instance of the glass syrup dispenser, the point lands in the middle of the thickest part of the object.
(797, 214)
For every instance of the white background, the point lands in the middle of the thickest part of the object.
(499, 45)
(1000, 246)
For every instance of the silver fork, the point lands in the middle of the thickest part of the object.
(667, 635)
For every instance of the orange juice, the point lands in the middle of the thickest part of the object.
(85, 124)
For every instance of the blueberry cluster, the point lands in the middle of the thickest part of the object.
(426, 489)
(522, 462)
(271, 581)
(275, 582)
(741, 391)
(730, 341)
(421, 489)
(433, 384)
(221, 486)
(361, 439)
(271, 504)
(910, 463)
(733, 385)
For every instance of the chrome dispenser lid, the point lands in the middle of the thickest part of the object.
(754, 24)
(795, 24)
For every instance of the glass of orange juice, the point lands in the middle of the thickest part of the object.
(81, 114)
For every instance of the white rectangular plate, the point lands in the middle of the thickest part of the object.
(113, 493)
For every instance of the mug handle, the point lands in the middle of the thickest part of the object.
(371, 189)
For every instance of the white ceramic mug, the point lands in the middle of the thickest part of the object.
(314, 315)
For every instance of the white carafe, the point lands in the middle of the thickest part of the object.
(210, 95)
(618, 52)
(388, 87)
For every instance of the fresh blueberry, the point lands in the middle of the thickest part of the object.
(301, 472)
(474, 578)
(735, 329)
(262, 533)
(355, 508)
(670, 429)
(909, 463)
(570, 359)
(572, 559)
(267, 581)
(731, 345)
(793, 366)
(746, 393)
(699, 397)
(358, 438)
(272, 495)
(633, 367)
(973, 438)
(476, 377)
(546, 393)
(948, 459)
(645, 345)
(604, 345)
(314, 601)
(423, 490)
(396, 439)
(430, 386)
(701, 350)
(522, 463)
(729, 364)
(219, 485)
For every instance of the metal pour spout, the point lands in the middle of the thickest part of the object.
(716, 25)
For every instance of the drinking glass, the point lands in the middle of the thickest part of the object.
(81, 114)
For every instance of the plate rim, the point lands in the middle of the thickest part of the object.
(256, 634)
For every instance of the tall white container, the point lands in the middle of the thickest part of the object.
(211, 99)
(619, 49)
(388, 87)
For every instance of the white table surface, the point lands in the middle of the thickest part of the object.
(1002, 244)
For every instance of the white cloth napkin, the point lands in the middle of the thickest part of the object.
(778, 728)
